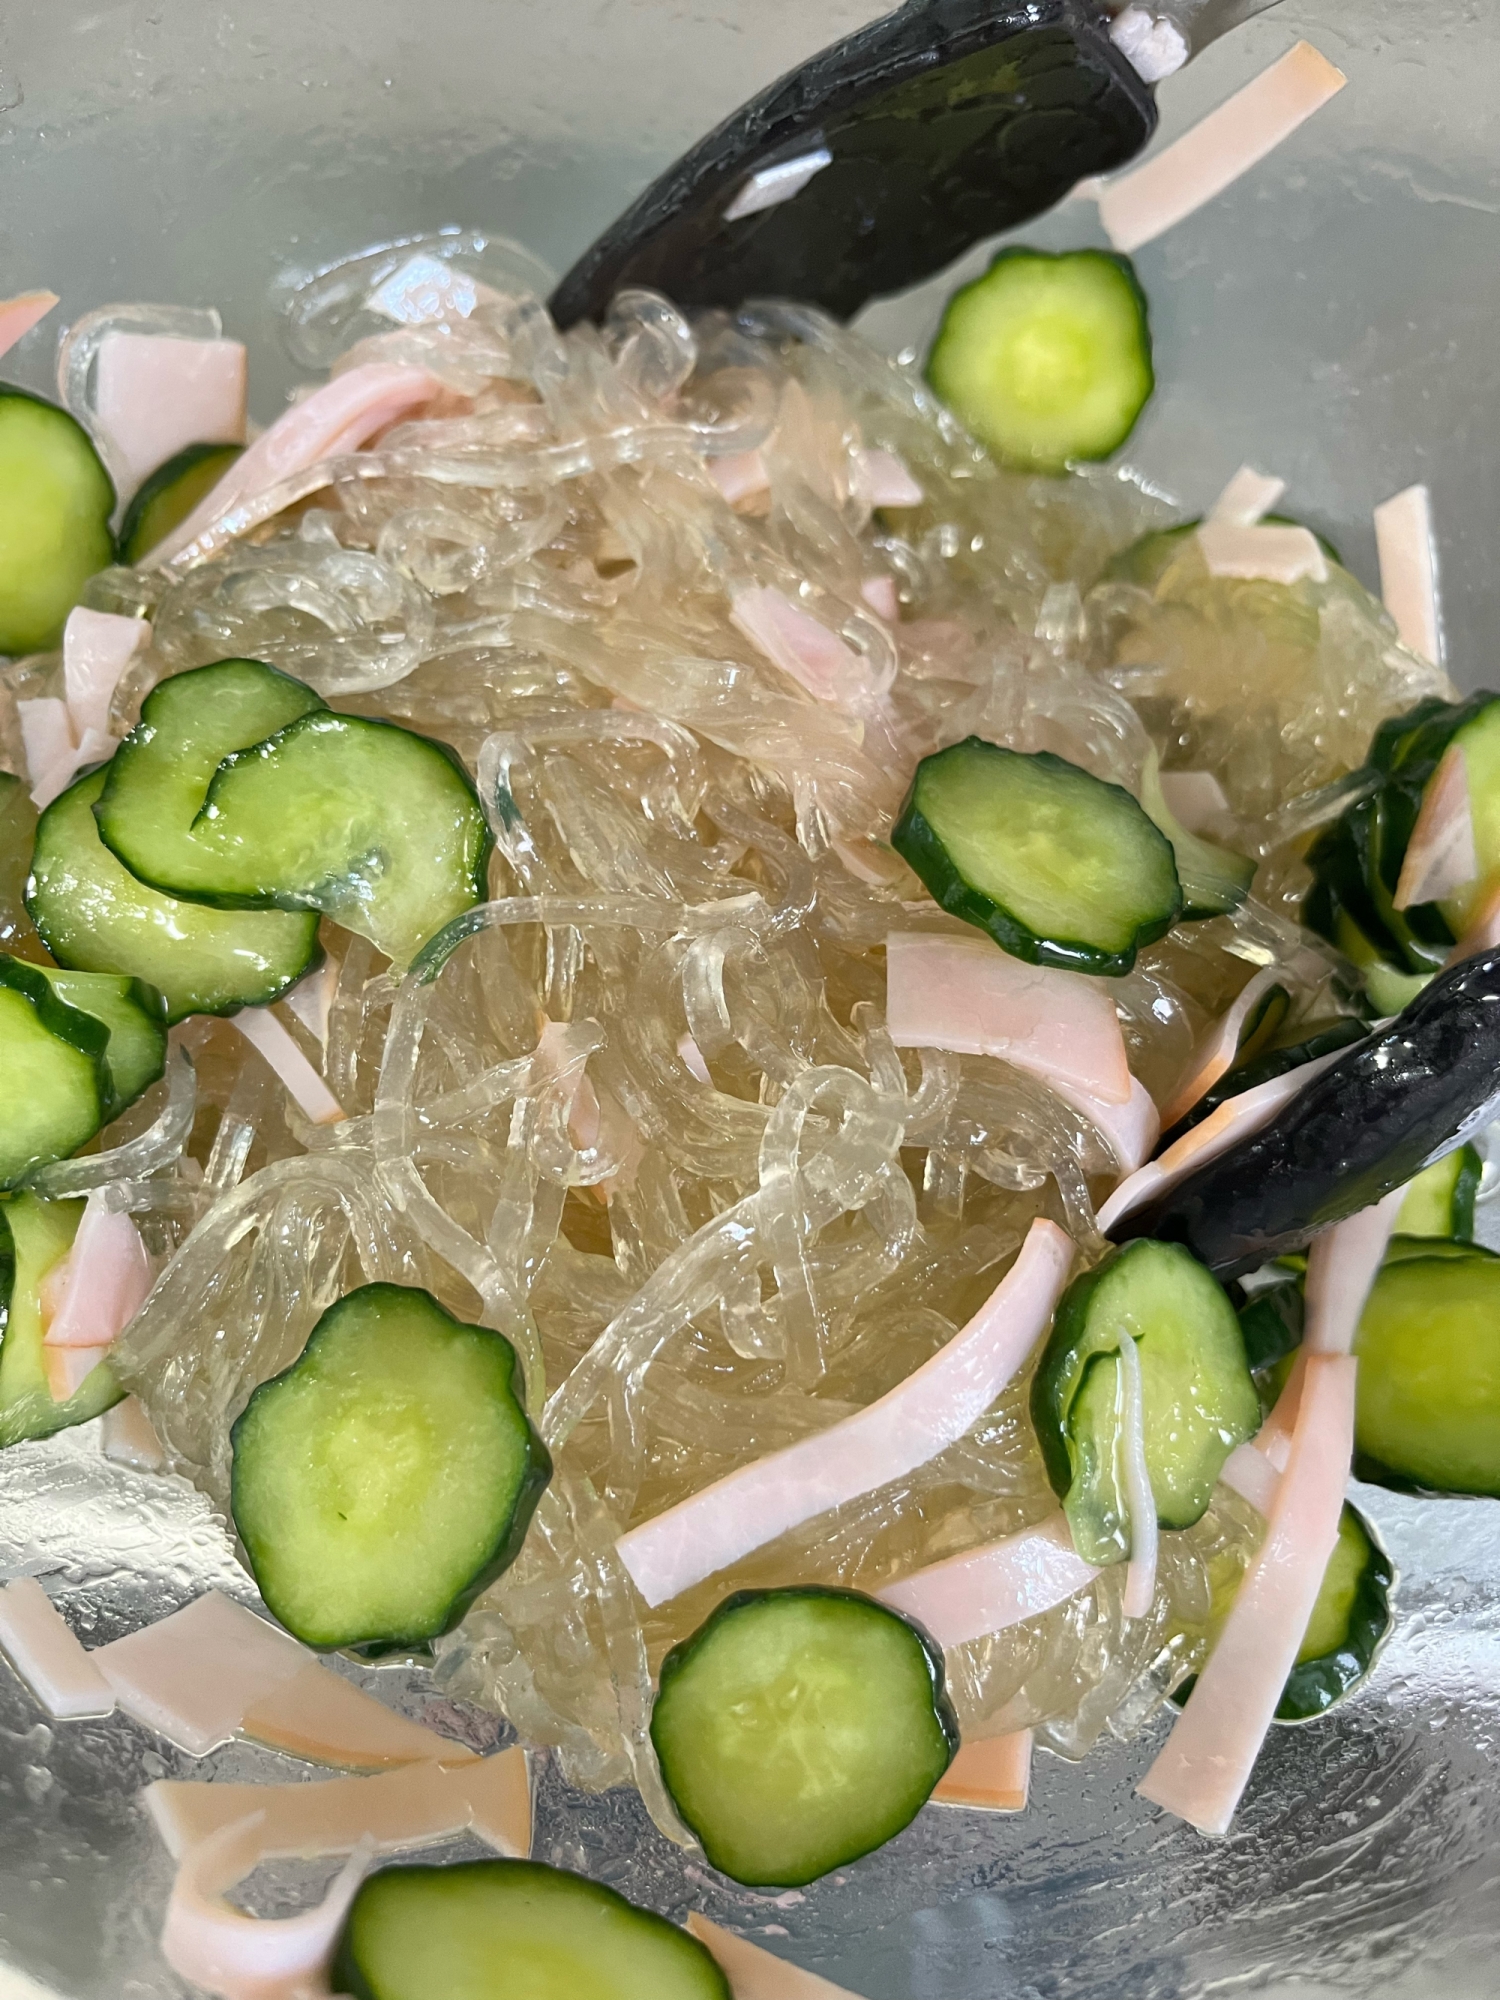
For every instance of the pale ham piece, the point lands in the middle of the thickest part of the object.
(192, 1675)
(1248, 498)
(1235, 1119)
(967, 995)
(48, 747)
(1131, 1130)
(155, 394)
(40, 1646)
(692, 1057)
(906, 1427)
(1196, 798)
(992, 1588)
(215, 1946)
(489, 1796)
(741, 476)
(793, 640)
(1183, 177)
(1153, 46)
(1206, 1762)
(304, 1086)
(1140, 1502)
(68, 1368)
(1441, 855)
(97, 648)
(1248, 1472)
(341, 416)
(100, 1286)
(311, 999)
(879, 592)
(129, 1438)
(1408, 571)
(594, 1121)
(1262, 553)
(1342, 1265)
(992, 1775)
(19, 315)
(317, 1715)
(756, 1974)
(1215, 1054)
(886, 481)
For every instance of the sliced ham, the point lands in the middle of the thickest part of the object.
(1130, 1130)
(1440, 856)
(155, 394)
(1215, 1054)
(97, 648)
(885, 481)
(1196, 798)
(100, 1286)
(756, 1974)
(48, 747)
(1140, 206)
(1408, 571)
(967, 995)
(344, 415)
(1248, 1472)
(741, 477)
(304, 1085)
(489, 1796)
(1262, 553)
(1154, 47)
(311, 999)
(210, 1943)
(19, 315)
(991, 1775)
(879, 592)
(992, 1588)
(1248, 498)
(68, 1368)
(793, 640)
(1140, 1502)
(317, 1715)
(692, 1057)
(1342, 1265)
(905, 1428)
(1206, 1762)
(130, 1438)
(41, 1647)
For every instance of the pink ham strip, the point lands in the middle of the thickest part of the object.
(1248, 1472)
(215, 1946)
(992, 1588)
(130, 1439)
(905, 1428)
(48, 747)
(879, 592)
(1130, 1130)
(304, 1086)
(754, 1974)
(740, 476)
(1342, 1265)
(886, 481)
(155, 394)
(969, 996)
(68, 1368)
(992, 1775)
(1440, 856)
(97, 648)
(41, 1647)
(1206, 1762)
(1194, 797)
(343, 416)
(101, 1284)
(1214, 1056)
(793, 640)
(19, 315)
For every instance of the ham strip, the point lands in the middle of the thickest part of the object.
(1195, 798)
(1408, 571)
(741, 477)
(905, 1428)
(154, 394)
(41, 1647)
(100, 1286)
(1214, 1056)
(1248, 498)
(19, 315)
(97, 648)
(793, 640)
(319, 1716)
(969, 996)
(992, 1588)
(755, 1974)
(1440, 856)
(1130, 1130)
(992, 1775)
(1248, 1472)
(886, 481)
(1265, 554)
(880, 593)
(129, 1438)
(1206, 1762)
(1342, 1265)
(304, 1085)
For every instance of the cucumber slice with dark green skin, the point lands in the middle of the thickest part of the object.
(1402, 1249)
(374, 825)
(55, 502)
(36, 1235)
(1198, 1399)
(1271, 1324)
(94, 916)
(1146, 561)
(136, 1017)
(158, 779)
(389, 1475)
(1440, 1201)
(55, 1089)
(1047, 359)
(1214, 879)
(171, 494)
(1427, 1411)
(798, 1729)
(1264, 1064)
(512, 1930)
(17, 836)
(1057, 866)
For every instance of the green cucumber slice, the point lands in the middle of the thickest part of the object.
(1057, 866)
(389, 1475)
(1214, 879)
(1440, 1201)
(55, 1089)
(1047, 359)
(1271, 1324)
(1427, 1412)
(93, 915)
(800, 1728)
(1264, 1064)
(1402, 1249)
(1350, 1621)
(136, 1017)
(171, 494)
(1199, 1400)
(512, 1930)
(37, 1234)
(157, 780)
(55, 502)
(17, 837)
(374, 825)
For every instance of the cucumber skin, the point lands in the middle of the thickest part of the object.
(1262, 1068)
(1314, 1686)
(682, 1653)
(924, 853)
(37, 640)
(134, 545)
(83, 1032)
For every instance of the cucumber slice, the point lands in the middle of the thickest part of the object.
(797, 1729)
(1267, 1063)
(55, 502)
(1199, 1401)
(93, 915)
(375, 826)
(171, 494)
(1401, 1249)
(1440, 1201)
(17, 836)
(512, 1930)
(1214, 879)
(135, 1015)
(36, 1235)
(388, 1476)
(1427, 1412)
(55, 1088)
(157, 780)
(1350, 1621)
(1059, 867)
(1047, 359)
(1271, 1324)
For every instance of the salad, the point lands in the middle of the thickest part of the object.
(727, 1039)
